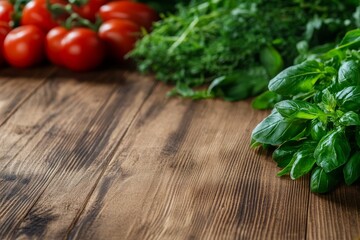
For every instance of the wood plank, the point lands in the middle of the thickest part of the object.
(63, 136)
(17, 85)
(185, 170)
(335, 215)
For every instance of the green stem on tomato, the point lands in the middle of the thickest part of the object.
(74, 19)
(16, 16)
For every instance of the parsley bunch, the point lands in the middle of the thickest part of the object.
(316, 127)
(233, 47)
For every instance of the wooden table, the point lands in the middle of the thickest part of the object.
(106, 155)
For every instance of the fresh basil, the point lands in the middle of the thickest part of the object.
(298, 109)
(304, 162)
(351, 40)
(349, 73)
(350, 119)
(349, 98)
(316, 127)
(318, 130)
(275, 129)
(285, 153)
(322, 182)
(352, 169)
(297, 79)
(332, 151)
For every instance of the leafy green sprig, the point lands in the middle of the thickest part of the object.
(316, 126)
(231, 48)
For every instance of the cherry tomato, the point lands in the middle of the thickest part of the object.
(81, 50)
(4, 30)
(120, 37)
(90, 9)
(36, 13)
(24, 46)
(139, 13)
(6, 10)
(53, 44)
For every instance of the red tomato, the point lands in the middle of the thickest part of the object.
(90, 9)
(81, 50)
(6, 10)
(36, 13)
(139, 13)
(24, 46)
(4, 30)
(53, 44)
(120, 37)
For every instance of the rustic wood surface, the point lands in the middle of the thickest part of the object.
(105, 155)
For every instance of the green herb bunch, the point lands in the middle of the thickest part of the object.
(316, 126)
(233, 47)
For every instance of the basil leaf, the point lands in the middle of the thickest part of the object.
(271, 60)
(352, 169)
(328, 101)
(349, 74)
(297, 79)
(240, 85)
(287, 169)
(266, 100)
(283, 154)
(349, 98)
(323, 182)
(332, 151)
(304, 161)
(351, 40)
(318, 130)
(276, 129)
(350, 119)
(298, 109)
(357, 136)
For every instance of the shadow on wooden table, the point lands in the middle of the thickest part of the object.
(106, 74)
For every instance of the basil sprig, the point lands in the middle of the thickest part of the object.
(315, 126)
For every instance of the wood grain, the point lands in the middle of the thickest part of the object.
(104, 155)
(336, 215)
(185, 170)
(16, 86)
(64, 135)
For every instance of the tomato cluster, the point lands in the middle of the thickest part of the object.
(79, 38)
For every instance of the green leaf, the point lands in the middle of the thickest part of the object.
(271, 60)
(182, 89)
(298, 109)
(352, 169)
(240, 85)
(287, 169)
(350, 119)
(349, 98)
(283, 154)
(351, 40)
(357, 136)
(328, 101)
(266, 100)
(297, 79)
(349, 74)
(318, 130)
(254, 144)
(332, 151)
(304, 161)
(323, 182)
(276, 129)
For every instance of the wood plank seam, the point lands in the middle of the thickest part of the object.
(111, 155)
(28, 97)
